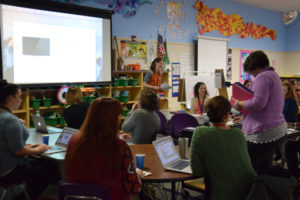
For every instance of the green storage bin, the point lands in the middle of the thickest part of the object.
(125, 112)
(116, 82)
(90, 99)
(85, 98)
(117, 97)
(123, 82)
(61, 121)
(35, 103)
(47, 102)
(124, 99)
(132, 82)
(51, 121)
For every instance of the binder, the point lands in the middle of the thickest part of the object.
(240, 93)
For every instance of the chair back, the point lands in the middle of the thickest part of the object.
(163, 123)
(180, 121)
(72, 191)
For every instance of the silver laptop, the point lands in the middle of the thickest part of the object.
(169, 156)
(40, 125)
(62, 141)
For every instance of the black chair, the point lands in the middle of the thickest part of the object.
(5, 187)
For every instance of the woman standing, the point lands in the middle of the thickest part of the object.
(75, 113)
(220, 153)
(95, 155)
(15, 164)
(264, 126)
(153, 77)
(201, 96)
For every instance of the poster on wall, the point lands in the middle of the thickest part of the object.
(133, 49)
(243, 75)
(175, 78)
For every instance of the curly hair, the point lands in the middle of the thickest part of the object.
(196, 89)
(148, 99)
(257, 59)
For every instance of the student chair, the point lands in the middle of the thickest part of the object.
(72, 191)
(180, 121)
(5, 187)
(162, 129)
(194, 184)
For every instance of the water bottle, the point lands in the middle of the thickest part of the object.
(37, 113)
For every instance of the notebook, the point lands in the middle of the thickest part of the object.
(40, 125)
(240, 93)
(169, 156)
(62, 141)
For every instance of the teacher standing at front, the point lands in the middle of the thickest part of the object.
(264, 126)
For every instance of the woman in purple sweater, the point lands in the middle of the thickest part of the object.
(264, 126)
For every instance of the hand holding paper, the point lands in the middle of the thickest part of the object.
(164, 87)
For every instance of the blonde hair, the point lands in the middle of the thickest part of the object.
(74, 95)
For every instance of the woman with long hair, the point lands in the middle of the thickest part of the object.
(95, 155)
(201, 96)
(16, 165)
(76, 111)
(290, 109)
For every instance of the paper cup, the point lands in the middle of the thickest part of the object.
(140, 160)
(46, 139)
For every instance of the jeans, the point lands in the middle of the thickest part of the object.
(37, 173)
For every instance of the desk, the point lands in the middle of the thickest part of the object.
(153, 164)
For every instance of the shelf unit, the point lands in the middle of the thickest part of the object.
(133, 91)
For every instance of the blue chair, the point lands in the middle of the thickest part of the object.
(72, 191)
(180, 121)
(162, 129)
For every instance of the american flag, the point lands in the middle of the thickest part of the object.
(161, 52)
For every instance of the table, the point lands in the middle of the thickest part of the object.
(153, 164)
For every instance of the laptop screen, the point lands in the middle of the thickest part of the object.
(166, 151)
(65, 136)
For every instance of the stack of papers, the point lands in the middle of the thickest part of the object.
(164, 87)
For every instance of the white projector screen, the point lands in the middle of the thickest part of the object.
(53, 47)
(212, 54)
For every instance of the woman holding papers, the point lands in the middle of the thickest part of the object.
(95, 155)
(264, 125)
(220, 152)
(153, 77)
(201, 96)
(142, 121)
(15, 165)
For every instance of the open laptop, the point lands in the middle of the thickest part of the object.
(40, 125)
(62, 141)
(169, 156)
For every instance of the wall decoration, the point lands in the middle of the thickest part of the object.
(243, 75)
(133, 49)
(175, 78)
(213, 19)
(126, 8)
(229, 65)
(174, 14)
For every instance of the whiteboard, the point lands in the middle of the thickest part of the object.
(190, 81)
(212, 54)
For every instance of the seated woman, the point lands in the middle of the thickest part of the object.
(200, 98)
(142, 121)
(247, 83)
(95, 155)
(75, 113)
(290, 112)
(220, 152)
(16, 166)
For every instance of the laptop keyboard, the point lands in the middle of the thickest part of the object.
(180, 164)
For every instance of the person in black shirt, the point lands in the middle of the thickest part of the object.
(75, 113)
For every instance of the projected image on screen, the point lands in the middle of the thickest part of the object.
(50, 47)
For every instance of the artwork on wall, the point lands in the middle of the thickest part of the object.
(174, 14)
(133, 49)
(229, 65)
(126, 8)
(243, 75)
(214, 19)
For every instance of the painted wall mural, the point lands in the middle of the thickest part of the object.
(126, 8)
(213, 19)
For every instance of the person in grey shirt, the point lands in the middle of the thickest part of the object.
(142, 121)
